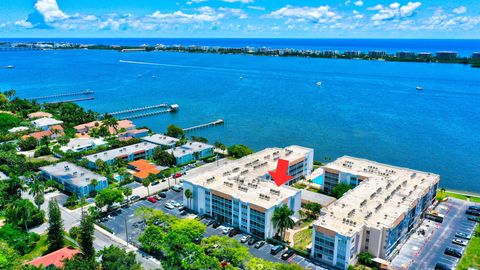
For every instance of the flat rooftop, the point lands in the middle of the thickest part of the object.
(246, 178)
(46, 121)
(379, 201)
(71, 173)
(160, 139)
(122, 151)
(197, 146)
(180, 151)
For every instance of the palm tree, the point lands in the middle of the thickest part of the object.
(110, 121)
(281, 219)
(94, 183)
(146, 183)
(14, 186)
(37, 190)
(127, 191)
(189, 196)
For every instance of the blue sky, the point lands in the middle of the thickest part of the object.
(241, 18)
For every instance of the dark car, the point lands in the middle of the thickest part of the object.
(234, 232)
(211, 222)
(472, 212)
(252, 241)
(183, 213)
(453, 252)
(476, 219)
(162, 195)
(154, 183)
(276, 249)
(259, 244)
(216, 224)
(442, 266)
(181, 208)
(134, 197)
(287, 254)
(474, 207)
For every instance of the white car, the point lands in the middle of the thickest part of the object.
(460, 242)
(227, 230)
(169, 206)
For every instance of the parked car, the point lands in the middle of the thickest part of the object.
(234, 232)
(226, 230)
(442, 266)
(151, 199)
(453, 252)
(169, 206)
(154, 183)
(460, 242)
(216, 224)
(245, 238)
(183, 213)
(287, 254)
(259, 244)
(177, 175)
(474, 207)
(158, 198)
(177, 188)
(175, 203)
(162, 195)
(134, 198)
(463, 235)
(472, 212)
(181, 208)
(211, 222)
(476, 219)
(252, 241)
(276, 249)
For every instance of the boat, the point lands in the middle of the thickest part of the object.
(139, 75)
(10, 66)
(241, 78)
(419, 88)
(153, 76)
(319, 83)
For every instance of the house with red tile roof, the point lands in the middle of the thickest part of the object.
(52, 133)
(142, 168)
(55, 259)
(36, 115)
(122, 125)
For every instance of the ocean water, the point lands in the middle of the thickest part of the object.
(367, 109)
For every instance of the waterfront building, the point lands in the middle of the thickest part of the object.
(330, 53)
(122, 125)
(83, 144)
(377, 54)
(132, 152)
(74, 178)
(45, 123)
(352, 53)
(447, 55)
(405, 55)
(161, 140)
(376, 216)
(476, 55)
(183, 155)
(134, 133)
(240, 193)
(424, 55)
(52, 133)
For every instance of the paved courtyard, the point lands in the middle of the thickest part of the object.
(423, 251)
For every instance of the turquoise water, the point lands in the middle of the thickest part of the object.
(367, 109)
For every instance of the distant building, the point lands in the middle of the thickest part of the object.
(424, 55)
(36, 115)
(54, 260)
(83, 144)
(161, 140)
(45, 123)
(18, 129)
(241, 194)
(129, 153)
(352, 53)
(330, 53)
(405, 55)
(476, 55)
(377, 54)
(386, 205)
(446, 55)
(74, 178)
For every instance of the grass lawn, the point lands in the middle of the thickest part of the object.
(471, 258)
(40, 248)
(302, 239)
(442, 195)
(299, 185)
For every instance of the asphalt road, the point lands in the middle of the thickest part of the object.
(424, 251)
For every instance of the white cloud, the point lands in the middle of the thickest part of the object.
(460, 10)
(239, 1)
(24, 23)
(49, 10)
(394, 11)
(195, 2)
(256, 8)
(358, 3)
(312, 14)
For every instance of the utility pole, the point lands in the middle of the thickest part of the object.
(126, 230)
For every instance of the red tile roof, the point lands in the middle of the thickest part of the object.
(55, 258)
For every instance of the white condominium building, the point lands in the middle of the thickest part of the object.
(240, 192)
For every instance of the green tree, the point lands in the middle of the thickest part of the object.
(37, 190)
(115, 258)
(107, 197)
(11, 189)
(282, 220)
(189, 196)
(239, 150)
(146, 182)
(85, 237)
(163, 158)
(55, 232)
(28, 143)
(74, 232)
(80, 263)
(23, 242)
(174, 131)
(365, 258)
(8, 257)
(110, 122)
(220, 145)
(23, 214)
(340, 189)
(311, 210)
(152, 239)
(228, 249)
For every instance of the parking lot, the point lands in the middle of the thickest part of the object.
(125, 220)
(427, 244)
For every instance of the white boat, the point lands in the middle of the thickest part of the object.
(139, 75)
(10, 66)
(241, 78)
(419, 88)
(319, 83)
(153, 76)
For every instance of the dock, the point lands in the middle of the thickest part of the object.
(163, 105)
(86, 92)
(70, 100)
(146, 114)
(210, 124)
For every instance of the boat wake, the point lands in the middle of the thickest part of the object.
(176, 66)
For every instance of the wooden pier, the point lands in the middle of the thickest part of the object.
(211, 124)
(163, 105)
(146, 114)
(86, 92)
(71, 100)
